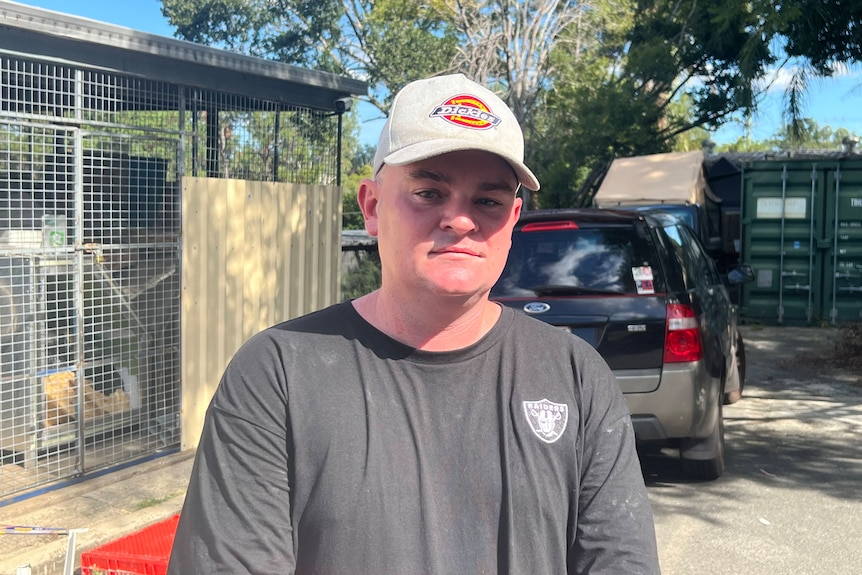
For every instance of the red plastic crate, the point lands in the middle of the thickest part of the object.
(145, 552)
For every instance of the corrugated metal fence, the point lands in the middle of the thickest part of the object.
(254, 254)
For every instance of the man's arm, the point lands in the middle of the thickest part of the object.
(615, 530)
(236, 516)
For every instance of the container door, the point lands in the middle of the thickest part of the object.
(842, 293)
(781, 219)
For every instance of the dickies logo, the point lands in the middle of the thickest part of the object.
(547, 419)
(466, 111)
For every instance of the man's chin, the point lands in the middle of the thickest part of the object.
(459, 290)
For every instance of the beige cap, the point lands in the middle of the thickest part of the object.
(447, 114)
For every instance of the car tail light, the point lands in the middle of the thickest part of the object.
(549, 226)
(682, 341)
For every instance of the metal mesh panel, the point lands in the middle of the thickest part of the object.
(226, 135)
(121, 101)
(89, 272)
(30, 88)
(89, 314)
(233, 136)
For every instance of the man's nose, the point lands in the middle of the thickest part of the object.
(458, 216)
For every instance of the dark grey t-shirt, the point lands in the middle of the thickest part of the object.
(330, 448)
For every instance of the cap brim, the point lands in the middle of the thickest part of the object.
(433, 148)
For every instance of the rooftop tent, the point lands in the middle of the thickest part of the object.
(676, 177)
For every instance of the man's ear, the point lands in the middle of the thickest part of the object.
(367, 198)
(516, 208)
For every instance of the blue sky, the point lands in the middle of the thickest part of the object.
(831, 102)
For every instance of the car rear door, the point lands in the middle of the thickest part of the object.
(602, 281)
(709, 297)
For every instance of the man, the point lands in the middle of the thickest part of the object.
(422, 428)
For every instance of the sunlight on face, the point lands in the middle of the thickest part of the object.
(444, 225)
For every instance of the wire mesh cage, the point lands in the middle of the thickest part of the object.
(90, 169)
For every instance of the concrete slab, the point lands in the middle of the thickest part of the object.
(108, 507)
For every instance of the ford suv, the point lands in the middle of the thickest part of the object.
(641, 289)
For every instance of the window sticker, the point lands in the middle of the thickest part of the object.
(643, 279)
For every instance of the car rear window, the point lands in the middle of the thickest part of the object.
(585, 261)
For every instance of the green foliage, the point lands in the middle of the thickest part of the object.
(626, 77)
(822, 32)
(595, 111)
(290, 31)
(403, 53)
(289, 146)
(351, 218)
(367, 39)
(655, 75)
(362, 279)
(807, 135)
(690, 140)
(745, 144)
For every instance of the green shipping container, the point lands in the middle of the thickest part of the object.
(802, 235)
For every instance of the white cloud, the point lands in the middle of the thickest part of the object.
(778, 79)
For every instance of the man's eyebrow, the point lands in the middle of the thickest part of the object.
(502, 186)
(426, 174)
(489, 186)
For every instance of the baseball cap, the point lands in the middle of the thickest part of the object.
(450, 113)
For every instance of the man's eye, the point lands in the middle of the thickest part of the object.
(428, 194)
(489, 202)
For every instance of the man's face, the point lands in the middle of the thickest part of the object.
(444, 225)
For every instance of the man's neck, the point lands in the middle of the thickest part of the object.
(430, 326)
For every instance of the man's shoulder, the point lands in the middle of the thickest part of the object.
(333, 316)
(304, 330)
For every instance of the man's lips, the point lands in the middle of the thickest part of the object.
(455, 250)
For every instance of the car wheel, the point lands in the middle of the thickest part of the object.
(734, 396)
(713, 467)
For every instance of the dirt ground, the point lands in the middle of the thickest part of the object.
(789, 501)
(816, 354)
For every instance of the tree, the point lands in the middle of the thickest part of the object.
(825, 33)
(812, 38)
(593, 112)
(367, 39)
(621, 90)
(364, 277)
(811, 136)
(589, 80)
(506, 44)
(814, 138)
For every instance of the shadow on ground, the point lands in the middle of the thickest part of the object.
(797, 427)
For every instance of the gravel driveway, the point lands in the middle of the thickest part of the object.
(790, 501)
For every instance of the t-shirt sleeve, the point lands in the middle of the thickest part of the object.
(236, 515)
(615, 529)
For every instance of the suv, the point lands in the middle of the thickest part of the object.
(641, 289)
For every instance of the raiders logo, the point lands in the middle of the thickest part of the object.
(547, 419)
(467, 112)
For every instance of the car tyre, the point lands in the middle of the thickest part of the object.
(734, 396)
(712, 468)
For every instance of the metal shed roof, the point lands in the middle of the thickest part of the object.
(28, 31)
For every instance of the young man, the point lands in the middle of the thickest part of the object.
(422, 429)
